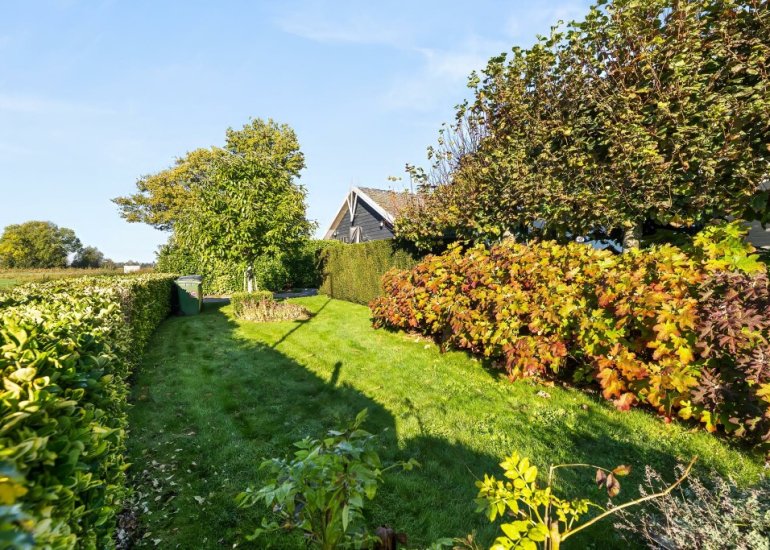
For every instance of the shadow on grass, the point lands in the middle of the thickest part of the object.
(299, 324)
(495, 369)
(212, 404)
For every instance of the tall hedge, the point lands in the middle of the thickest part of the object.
(353, 272)
(66, 350)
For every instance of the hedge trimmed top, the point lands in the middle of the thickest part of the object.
(66, 349)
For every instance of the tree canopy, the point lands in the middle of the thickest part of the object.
(163, 198)
(88, 257)
(247, 208)
(648, 115)
(227, 206)
(37, 244)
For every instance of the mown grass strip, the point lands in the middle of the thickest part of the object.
(215, 396)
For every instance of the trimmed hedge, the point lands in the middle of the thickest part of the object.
(66, 350)
(686, 334)
(353, 272)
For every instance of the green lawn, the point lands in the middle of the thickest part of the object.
(215, 396)
(7, 283)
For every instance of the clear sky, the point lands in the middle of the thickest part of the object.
(94, 94)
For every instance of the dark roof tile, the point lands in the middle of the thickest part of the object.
(391, 201)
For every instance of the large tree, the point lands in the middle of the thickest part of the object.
(163, 198)
(228, 207)
(247, 208)
(648, 115)
(37, 244)
(88, 257)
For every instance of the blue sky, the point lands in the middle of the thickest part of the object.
(94, 94)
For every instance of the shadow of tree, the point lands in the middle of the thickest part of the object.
(243, 400)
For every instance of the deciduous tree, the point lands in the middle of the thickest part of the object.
(163, 198)
(247, 208)
(37, 244)
(88, 257)
(228, 207)
(647, 115)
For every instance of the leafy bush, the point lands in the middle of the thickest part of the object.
(540, 517)
(353, 272)
(68, 347)
(219, 277)
(659, 327)
(701, 515)
(298, 269)
(305, 266)
(321, 490)
(262, 307)
(270, 273)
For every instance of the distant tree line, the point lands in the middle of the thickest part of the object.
(43, 244)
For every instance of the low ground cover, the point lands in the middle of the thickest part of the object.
(261, 306)
(215, 396)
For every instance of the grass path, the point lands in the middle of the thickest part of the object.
(215, 396)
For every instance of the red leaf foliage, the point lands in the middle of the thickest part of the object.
(656, 327)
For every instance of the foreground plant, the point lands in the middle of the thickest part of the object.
(702, 514)
(322, 490)
(68, 348)
(542, 518)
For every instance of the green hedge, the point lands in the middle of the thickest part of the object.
(353, 272)
(298, 269)
(67, 348)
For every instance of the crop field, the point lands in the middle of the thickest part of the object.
(12, 277)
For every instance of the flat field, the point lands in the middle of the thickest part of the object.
(12, 277)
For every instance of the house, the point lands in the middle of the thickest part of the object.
(367, 214)
(759, 236)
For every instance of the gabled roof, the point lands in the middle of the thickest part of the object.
(393, 202)
(386, 203)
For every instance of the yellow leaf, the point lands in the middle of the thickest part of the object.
(10, 491)
(685, 355)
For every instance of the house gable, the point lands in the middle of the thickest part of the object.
(361, 218)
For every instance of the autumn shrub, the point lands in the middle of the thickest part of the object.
(67, 349)
(260, 306)
(684, 332)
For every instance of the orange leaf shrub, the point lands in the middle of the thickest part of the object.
(648, 326)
